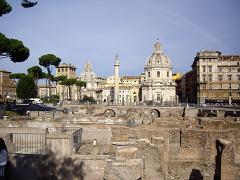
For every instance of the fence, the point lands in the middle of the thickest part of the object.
(77, 139)
(28, 143)
(36, 143)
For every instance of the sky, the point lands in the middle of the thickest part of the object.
(97, 30)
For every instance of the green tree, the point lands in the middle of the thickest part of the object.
(88, 99)
(80, 84)
(69, 83)
(4, 7)
(16, 76)
(49, 61)
(28, 4)
(26, 88)
(59, 79)
(45, 76)
(36, 72)
(13, 49)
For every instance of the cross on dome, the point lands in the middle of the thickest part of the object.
(157, 47)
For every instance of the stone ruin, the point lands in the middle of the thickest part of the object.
(133, 144)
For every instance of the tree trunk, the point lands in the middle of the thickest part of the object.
(70, 94)
(77, 93)
(49, 86)
(56, 88)
(80, 93)
(46, 90)
(63, 93)
(49, 80)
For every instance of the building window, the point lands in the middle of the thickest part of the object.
(220, 69)
(167, 74)
(238, 69)
(219, 77)
(204, 68)
(203, 60)
(204, 77)
(238, 76)
(158, 97)
(230, 77)
(237, 63)
(210, 68)
(210, 77)
(149, 74)
(229, 86)
(229, 69)
(220, 86)
(58, 70)
(158, 73)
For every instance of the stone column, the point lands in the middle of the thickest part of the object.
(116, 80)
(224, 160)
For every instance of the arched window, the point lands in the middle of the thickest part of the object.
(149, 74)
(167, 74)
(158, 73)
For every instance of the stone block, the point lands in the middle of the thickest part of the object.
(126, 152)
(102, 136)
(120, 138)
(129, 169)
(157, 140)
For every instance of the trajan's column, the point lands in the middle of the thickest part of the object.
(116, 80)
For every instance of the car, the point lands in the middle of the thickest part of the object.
(36, 101)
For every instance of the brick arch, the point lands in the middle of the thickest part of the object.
(155, 113)
(109, 113)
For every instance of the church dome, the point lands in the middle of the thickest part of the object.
(158, 58)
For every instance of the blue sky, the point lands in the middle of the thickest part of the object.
(96, 30)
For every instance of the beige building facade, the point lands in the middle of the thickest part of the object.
(43, 91)
(216, 77)
(128, 90)
(69, 71)
(7, 86)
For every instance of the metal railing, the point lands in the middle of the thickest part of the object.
(28, 143)
(77, 139)
(75, 132)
